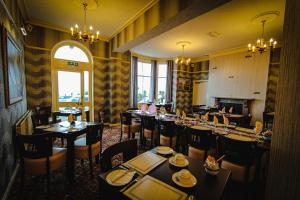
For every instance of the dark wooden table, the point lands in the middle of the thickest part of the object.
(207, 187)
(61, 130)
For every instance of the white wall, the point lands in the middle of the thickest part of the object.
(240, 75)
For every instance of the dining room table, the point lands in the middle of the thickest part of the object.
(69, 132)
(158, 182)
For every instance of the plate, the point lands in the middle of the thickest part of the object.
(191, 183)
(119, 177)
(164, 150)
(172, 162)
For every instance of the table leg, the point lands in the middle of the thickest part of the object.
(70, 159)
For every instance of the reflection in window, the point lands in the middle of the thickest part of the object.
(68, 86)
(161, 83)
(71, 53)
(144, 81)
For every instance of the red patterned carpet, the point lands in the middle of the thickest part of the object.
(84, 188)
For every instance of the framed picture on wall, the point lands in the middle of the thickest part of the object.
(12, 71)
(183, 84)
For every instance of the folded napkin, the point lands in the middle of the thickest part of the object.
(258, 127)
(83, 116)
(162, 109)
(144, 107)
(216, 121)
(183, 115)
(70, 118)
(231, 109)
(205, 117)
(225, 120)
(223, 109)
(152, 109)
(177, 112)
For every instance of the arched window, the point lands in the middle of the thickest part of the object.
(69, 52)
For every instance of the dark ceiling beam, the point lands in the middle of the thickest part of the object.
(161, 17)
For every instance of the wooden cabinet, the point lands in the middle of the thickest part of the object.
(239, 76)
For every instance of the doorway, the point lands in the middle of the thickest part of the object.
(72, 77)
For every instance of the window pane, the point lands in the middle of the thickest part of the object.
(143, 89)
(146, 69)
(161, 89)
(140, 68)
(162, 70)
(86, 86)
(68, 86)
(71, 53)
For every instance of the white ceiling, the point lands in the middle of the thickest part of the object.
(232, 21)
(108, 18)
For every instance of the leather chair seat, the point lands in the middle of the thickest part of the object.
(238, 171)
(147, 133)
(165, 141)
(81, 150)
(134, 128)
(196, 153)
(38, 166)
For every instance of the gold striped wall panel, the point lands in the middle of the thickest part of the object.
(195, 71)
(38, 77)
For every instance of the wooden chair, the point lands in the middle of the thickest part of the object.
(148, 129)
(127, 148)
(43, 113)
(240, 157)
(100, 116)
(267, 120)
(90, 146)
(127, 126)
(39, 157)
(198, 143)
(167, 132)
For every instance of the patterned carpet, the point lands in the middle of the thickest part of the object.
(84, 187)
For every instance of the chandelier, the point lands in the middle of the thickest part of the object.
(261, 44)
(182, 59)
(86, 35)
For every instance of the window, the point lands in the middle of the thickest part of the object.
(161, 83)
(71, 53)
(144, 81)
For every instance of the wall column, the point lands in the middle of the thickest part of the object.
(284, 170)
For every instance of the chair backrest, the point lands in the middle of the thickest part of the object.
(148, 122)
(267, 119)
(199, 138)
(127, 148)
(94, 133)
(125, 118)
(237, 151)
(35, 146)
(167, 128)
(100, 116)
(43, 113)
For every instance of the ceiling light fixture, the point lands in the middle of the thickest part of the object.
(263, 45)
(182, 59)
(86, 35)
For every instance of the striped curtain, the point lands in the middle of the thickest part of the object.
(134, 82)
(170, 66)
(153, 80)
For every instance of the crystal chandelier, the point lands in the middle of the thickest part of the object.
(182, 59)
(86, 35)
(261, 44)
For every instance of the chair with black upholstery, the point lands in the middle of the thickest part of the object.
(198, 142)
(39, 157)
(128, 125)
(239, 157)
(267, 119)
(90, 146)
(127, 148)
(167, 132)
(42, 114)
(168, 107)
(148, 129)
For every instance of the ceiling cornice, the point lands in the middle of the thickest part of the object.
(137, 15)
(44, 24)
